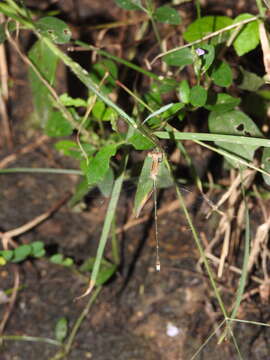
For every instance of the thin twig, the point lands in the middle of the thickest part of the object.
(232, 268)
(52, 91)
(12, 300)
(8, 235)
(215, 33)
(4, 93)
(26, 149)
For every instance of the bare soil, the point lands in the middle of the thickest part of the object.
(134, 316)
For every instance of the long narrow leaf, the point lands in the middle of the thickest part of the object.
(106, 227)
(241, 140)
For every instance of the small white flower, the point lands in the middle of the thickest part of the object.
(172, 330)
(200, 51)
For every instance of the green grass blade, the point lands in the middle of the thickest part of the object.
(207, 340)
(241, 140)
(250, 322)
(198, 243)
(41, 170)
(119, 60)
(243, 278)
(30, 339)
(108, 221)
(233, 157)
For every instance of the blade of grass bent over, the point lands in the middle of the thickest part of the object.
(106, 227)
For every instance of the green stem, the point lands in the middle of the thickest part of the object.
(109, 219)
(198, 9)
(261, 8)
(116, 59)
(197, 240)
(80, 319)
(30, 338)
(234, 139)
(67, 347)
(41, 170)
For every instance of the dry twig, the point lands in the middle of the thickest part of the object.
(12, 300)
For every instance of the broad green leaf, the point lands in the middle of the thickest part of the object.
(182, 114)
(98, 71)
(153, 98)
(207, 25)
(140, 142)
(266, 164)
(234, 122)
(248, 37)
(46, 62)
(250, 81)
(53, 28)
(57, 125)
(82, 189)
(208, 57)
(184, 91)
(221, 74)
(129, 4)
(61, 329)
(21, 253)
(57, 259)
(68, 262)
(99, 164)
(60, 260)
(222, 102)
(37, 249)
(66, 147)
(71, 148)
(110, 115)
(69, 101)
(106, 271)
(98, 109)
(167, 15)
(179, 58)
(198, 96)
(106, 185)
(7, 254)
(167, 85)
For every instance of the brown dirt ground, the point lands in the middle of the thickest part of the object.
(130, 318)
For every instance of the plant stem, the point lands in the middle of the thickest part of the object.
(67, 347)
(261, 8)
(30, 338)
(207, 37)
(41, 170)
(80, 319)
(127, 63)
(198, 9)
